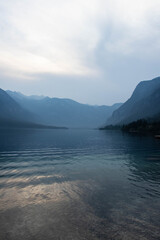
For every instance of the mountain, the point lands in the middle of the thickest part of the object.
(64, 112)
(19, 96)
(143, 104)
(11, 110)
(12, 115)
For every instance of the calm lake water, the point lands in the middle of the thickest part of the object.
(79, 184)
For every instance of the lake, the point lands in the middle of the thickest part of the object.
(79, 184)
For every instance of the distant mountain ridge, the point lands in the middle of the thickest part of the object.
(64, 112)
(143, 104)
(10, 109)
(21, 96)
(12, 115)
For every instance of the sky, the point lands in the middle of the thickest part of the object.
(92, 51)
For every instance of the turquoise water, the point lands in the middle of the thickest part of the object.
(79, 184)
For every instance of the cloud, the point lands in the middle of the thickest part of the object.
(74, 37)
(45, 36)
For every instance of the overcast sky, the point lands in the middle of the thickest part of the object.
(93, 51)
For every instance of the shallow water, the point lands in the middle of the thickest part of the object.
(79, 184)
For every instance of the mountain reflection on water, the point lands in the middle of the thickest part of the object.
(78, 184)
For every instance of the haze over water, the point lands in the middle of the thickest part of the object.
(79, 184)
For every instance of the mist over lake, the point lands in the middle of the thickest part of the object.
(78, 184)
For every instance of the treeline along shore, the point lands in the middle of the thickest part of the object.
(140, 126)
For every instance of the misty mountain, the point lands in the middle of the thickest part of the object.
(64, 112)
(18, 95)
(12, 115)
(11, 110)
(143, 104)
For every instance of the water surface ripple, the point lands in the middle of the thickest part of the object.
(79, 184)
